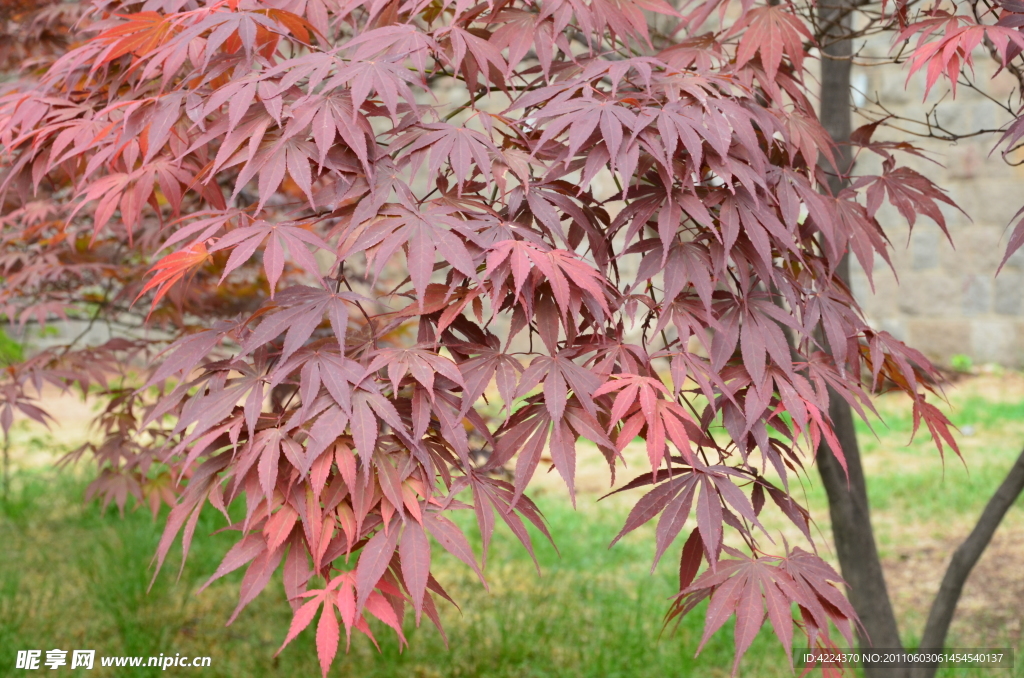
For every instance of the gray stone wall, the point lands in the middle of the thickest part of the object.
(945, 298)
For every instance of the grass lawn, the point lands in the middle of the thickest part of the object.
(71, 578)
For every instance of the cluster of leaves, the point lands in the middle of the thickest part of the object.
(615, 239)
(945, 47)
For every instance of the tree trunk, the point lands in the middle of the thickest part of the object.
(855, 539)
(964, 559)
(847, 497)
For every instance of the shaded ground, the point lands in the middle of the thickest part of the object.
(991, 608)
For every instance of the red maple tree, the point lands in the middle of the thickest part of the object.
(628, 236)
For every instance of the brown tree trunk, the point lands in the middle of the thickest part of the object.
(847, 497)
(855, 539)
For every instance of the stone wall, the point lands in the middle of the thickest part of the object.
(945, 298)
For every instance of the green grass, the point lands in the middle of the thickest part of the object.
(73, 578)
(936, 489)
(969, 410)
(11, 351)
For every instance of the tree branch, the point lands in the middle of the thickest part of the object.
(964, 560)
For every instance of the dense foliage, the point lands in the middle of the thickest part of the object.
(349, 224)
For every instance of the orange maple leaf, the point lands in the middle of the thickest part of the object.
(172, 268)
(143, 33)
